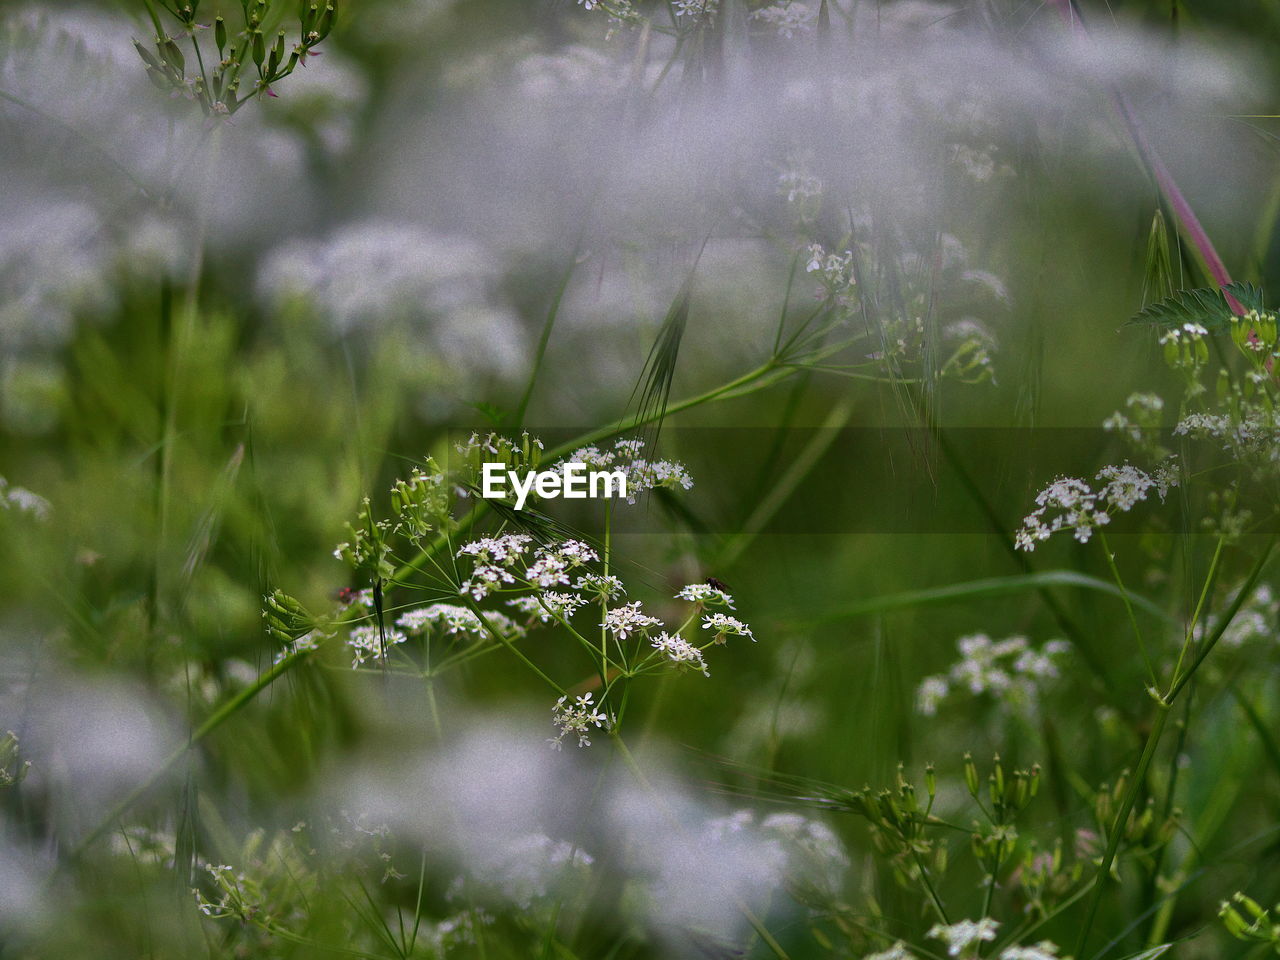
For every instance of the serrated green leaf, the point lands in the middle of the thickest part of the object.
(1204, 305)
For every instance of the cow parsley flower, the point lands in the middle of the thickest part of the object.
(898, 951)
(576, 719)
(681, 652)
(307, 643)
(367, 644)
(605, 586)
(1072, 504)
(23, 500)
(504, 550)
(695, 8)
(1010, 670)
(1044, 950)
(486, 578)
(726, 626)
(788, 18)
(706, 595)
(1256, 620)
(627, 619)
(548, 605)
(960, 936)
(455, 619)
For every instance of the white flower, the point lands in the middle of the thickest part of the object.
(456, 619)
(549, 605)
(725, 625)
(1072, 504)
(693, 8)
(547, 572)
(704, 593)
(1011, 670)
(367, 644)
(1044, 950)
(898, 951)
(504, 550)
(23, 500)
(606, 586)
(680, 651)
(484, 579)
(627, 619)
(576, 718)
(306, 643)
(960, 936)
(931, 692)
(788, 18)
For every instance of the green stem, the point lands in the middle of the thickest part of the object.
(1117, 827)
(1128, 606)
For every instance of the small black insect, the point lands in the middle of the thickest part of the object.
(346, 595)
(717, 584)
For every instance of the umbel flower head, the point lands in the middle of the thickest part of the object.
(1073, 504)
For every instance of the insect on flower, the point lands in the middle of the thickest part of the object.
(717, 584)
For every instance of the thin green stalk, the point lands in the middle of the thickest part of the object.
(545, 338)
(1117, 827)
(929, 888)
(1195, 616)
(1246, 591)
(1163, 706)
(1128, 606)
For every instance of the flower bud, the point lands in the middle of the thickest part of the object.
(173, 56)
(971, 776)
(220, 34)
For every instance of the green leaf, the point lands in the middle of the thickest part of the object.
(1204, 305)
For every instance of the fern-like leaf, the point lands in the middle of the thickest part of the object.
(1204, 305)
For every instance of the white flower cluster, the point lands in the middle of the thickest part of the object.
(834, 269)
(796, 179)
(960, 936)
(898, 951)
(1011, 670)
(498, 561)
(22, 500)
(455, 619)
(1193, 331)
(367, 643)
(525, 869)
(642, 475)
(1143, 415)
(1248, 434)
(1256, 620)
(962, 940)
(695, 8)
(1044, 950)
(681, 652)
(603, 585)
(726, 626)
(1072, 504)
(627, 619)
(788, 17)
(549, 605)
(577, 719)
(705, 594)
(307, 643)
